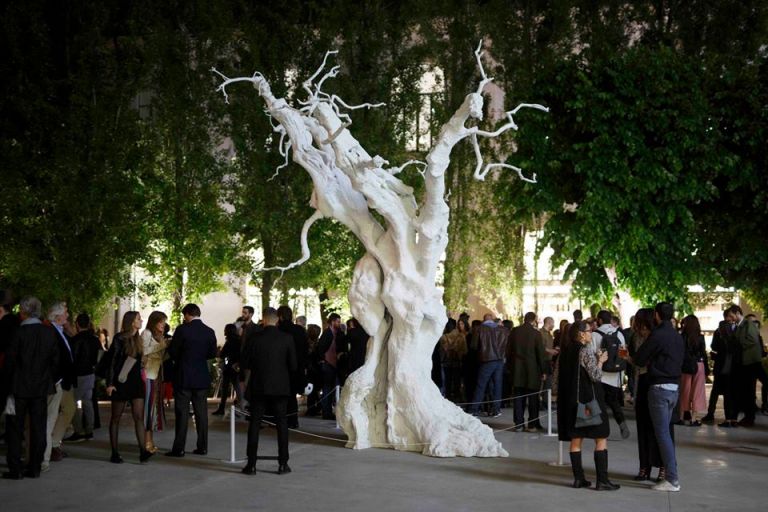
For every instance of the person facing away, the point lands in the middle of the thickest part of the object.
(358, 344)
(491, 342)
(193, 344)
(230, 361)
(299, 376)
(721, 368)
(610, 339)
(31, 362)
(527, 360)
(270, 355)
(662, 354)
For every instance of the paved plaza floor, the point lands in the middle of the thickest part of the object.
(719, 470)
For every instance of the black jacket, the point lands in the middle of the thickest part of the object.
(66, 370)
(271, 356)
(230, 352)
(85, 347)
(358, 344)
(32, 361)
(116, 356)
(301, 345)
(663, 353)
(193, 344)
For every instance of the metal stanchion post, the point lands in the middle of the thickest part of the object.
(337, 408)
(232, 417)
(549, 413)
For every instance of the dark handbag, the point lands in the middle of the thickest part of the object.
(589, 414)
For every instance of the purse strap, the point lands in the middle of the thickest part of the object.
(578, 378)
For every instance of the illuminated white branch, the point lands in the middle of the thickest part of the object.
(518, 170)
(305, 253)
(398, 170)
(285, 151)
(483, 77)
(307, 85)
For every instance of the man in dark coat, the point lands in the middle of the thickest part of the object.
(270, 355)
(330, 347)
(527, 361)
(299, 377)
(31, 363)
(721, 371)
(193, 344)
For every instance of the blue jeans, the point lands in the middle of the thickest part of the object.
(661, 405)
(491, 372)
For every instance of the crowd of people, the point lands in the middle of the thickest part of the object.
(53, 372)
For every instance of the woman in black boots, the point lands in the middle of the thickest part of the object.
(578, 381)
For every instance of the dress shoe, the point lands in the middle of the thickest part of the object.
(747, 423)
(579, 484)
(200, 452)
(12, 475)
(249, 469)
(728, 424)
(709, 418)
(57, 454)
(283, 469)
(32, 473)
(145, 455)
(607, 485)
(116, 459)
(174, 454)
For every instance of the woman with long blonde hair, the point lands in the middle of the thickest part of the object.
(154, 344)
(124, 383)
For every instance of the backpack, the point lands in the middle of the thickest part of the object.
(610, 343)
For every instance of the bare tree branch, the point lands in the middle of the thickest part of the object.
(305, 253)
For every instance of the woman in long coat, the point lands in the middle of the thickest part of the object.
(578, 381)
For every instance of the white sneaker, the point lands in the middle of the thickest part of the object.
(666, 486)
(45, 466)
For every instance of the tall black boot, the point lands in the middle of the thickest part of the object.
(601, 468)
(578, 471)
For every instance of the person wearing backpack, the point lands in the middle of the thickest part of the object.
(609, 339)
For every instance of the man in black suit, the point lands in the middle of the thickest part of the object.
(270, 355)
(193, 344)
(299, 377)
(31, 362)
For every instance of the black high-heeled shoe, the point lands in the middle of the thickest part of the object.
(116, 458)
(643, 475)
(145, 455)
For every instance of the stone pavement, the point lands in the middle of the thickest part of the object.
(719, 470)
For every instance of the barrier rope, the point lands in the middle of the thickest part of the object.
(387, 445)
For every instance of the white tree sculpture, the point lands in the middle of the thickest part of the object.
(390, 401)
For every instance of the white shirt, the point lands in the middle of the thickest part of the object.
(610, 378)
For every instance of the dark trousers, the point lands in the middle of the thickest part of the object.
(718, 390)
(747, 388)
(533, 407)
(279, 405)
(762, 376)
(330, 380)
(229, 377)
(37, 408)
(292, 411)
(452, 382)
(490, 373)
(613, 399)
(731, 393)
(181, 398)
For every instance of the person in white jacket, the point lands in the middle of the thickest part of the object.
(154, 353)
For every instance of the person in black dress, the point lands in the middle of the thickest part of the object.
(124, 383)
(230, 358)
(578, 380)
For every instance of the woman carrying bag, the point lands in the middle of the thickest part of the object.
(581, 405)
(124, 383)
